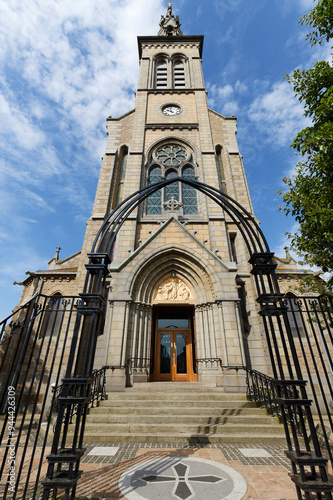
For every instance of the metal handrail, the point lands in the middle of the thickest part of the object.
(264, 390)
(98, 392)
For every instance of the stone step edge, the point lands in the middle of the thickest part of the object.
(165, 399)
(181, 415)
(190, 441)
(112, 436)
(104, 425)
(199, 394)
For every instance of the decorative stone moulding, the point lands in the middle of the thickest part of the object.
(163, 46)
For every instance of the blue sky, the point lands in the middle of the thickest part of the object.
(65, 66)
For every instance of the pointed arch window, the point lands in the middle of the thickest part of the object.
(122, 174)
(294, 315)
(171, 191)
(154, 201)
(53, 317)
(190, 204)
(169, 162)
(220, 170)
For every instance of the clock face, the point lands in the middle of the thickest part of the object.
(171, 110)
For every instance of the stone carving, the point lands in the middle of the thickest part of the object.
(173, 290)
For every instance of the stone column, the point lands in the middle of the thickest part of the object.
(118, 344)
(223, 339)
(209, 371)
(103, 341)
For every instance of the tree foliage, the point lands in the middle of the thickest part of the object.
(309, 197)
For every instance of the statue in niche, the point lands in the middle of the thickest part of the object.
(173, 289)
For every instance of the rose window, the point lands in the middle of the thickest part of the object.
(171, 155)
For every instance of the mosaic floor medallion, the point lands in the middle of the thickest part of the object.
(182, 478)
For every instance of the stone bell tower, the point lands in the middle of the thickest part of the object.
(180, 289)
(181, 300)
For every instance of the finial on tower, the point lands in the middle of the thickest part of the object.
(170, 25)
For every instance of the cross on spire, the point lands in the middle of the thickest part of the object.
(169, 24)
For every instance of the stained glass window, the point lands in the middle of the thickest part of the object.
(154, 201)
(190, 205)
(172, 190)
(170, 197)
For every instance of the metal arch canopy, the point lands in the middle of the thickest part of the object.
(246, 223)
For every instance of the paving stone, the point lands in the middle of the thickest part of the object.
(105, 451)
(255, 452)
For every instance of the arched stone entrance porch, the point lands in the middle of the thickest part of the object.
(209, 328)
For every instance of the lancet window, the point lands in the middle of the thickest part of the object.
(294, 315)
(169, 162)
(122, 164)
(220, 170)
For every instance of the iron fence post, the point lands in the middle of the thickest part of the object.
(67, 449)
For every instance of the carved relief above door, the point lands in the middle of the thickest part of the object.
(173, 290)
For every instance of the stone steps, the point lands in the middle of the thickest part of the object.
(186, 438)
(172, 410)
(184, 413)
(179, 428)
(179, 403)
(179, 420)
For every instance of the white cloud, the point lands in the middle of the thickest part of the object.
(277, 114)
(307, 4)
(64, 67)
(302, 6)
(15, 124)
(223, 99)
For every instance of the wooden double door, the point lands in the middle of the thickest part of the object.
(174, 344)
(174, 355)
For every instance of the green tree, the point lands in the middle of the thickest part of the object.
(309, 197)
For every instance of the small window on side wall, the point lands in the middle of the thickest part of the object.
(220, 170)
(122, 164)
(53, 317)
(233, 253)
(294, 314)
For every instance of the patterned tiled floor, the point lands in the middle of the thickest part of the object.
(231, 452)
(266, 477)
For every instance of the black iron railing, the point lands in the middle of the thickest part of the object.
(98, 392)
(263, 389)
(35, 341)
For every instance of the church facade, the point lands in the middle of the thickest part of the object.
(181, 299)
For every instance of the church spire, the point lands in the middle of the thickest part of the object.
(170, 25)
